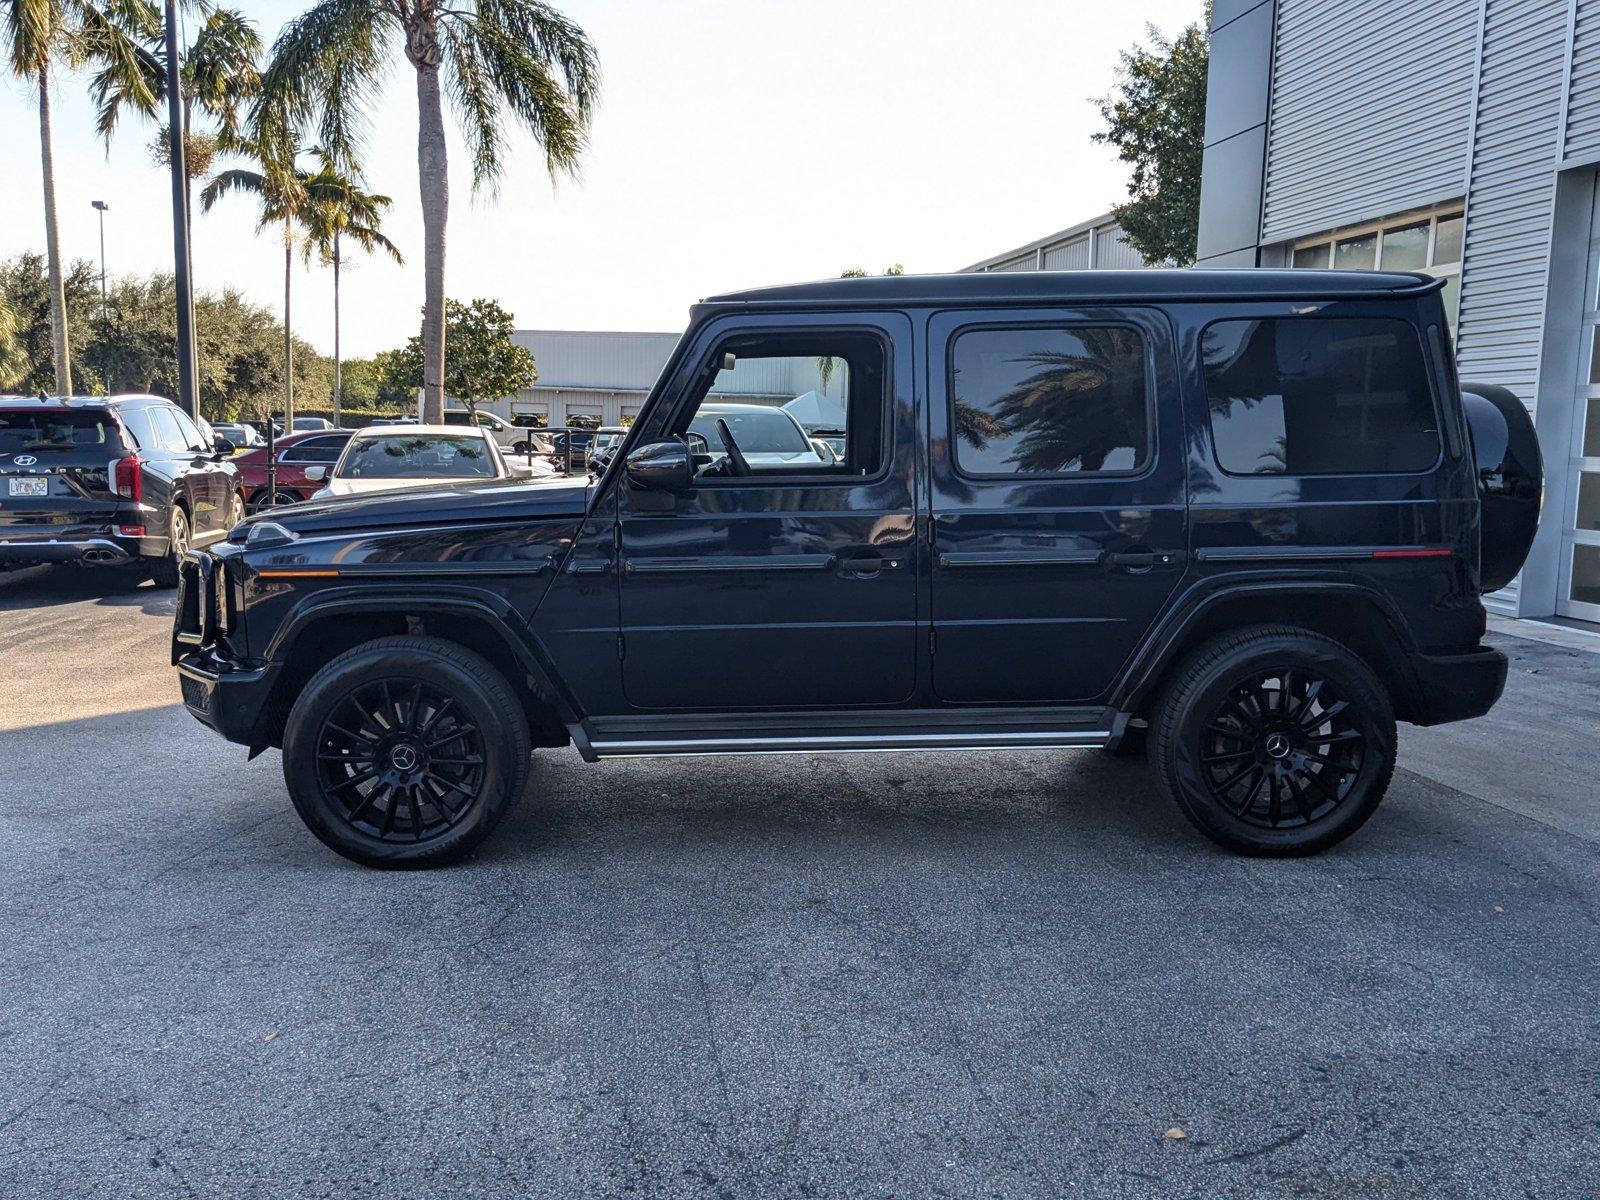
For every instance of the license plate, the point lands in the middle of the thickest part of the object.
(30, 487)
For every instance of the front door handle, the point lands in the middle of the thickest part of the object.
(868, 564)
(1135, 560)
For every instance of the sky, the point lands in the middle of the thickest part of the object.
(737, 143)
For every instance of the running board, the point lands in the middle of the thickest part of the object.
(810, 733)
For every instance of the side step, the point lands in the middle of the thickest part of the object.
(813, 733)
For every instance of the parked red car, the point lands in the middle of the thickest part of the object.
(295, 452)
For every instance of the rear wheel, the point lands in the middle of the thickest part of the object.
(280, 497)
(164, 570)
(1275, 741)
(405, 752)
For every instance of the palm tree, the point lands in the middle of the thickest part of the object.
(219, 77)
(279, 188)
(338, 208)
(13, 359)
(494, 57)
(37, 37)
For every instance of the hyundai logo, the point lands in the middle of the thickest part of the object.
(25, 460)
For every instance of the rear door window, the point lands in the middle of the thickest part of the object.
(315, 450)
(1064, 401)
(1319, 396)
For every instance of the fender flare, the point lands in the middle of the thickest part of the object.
(1162, 644)
(431, 599)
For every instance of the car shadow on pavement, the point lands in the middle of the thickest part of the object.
(121, 587)
(1081, 799)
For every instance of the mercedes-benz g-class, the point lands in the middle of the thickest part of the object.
(1243, 517)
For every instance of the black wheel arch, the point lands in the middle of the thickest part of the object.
(1351, 613)
(327, 623)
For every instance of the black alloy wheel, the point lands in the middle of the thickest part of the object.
(1281, 749)
(406, 751)
(400, 760)
(1274, 740)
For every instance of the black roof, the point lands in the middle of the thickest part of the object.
(1088, 287)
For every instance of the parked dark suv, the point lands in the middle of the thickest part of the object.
(103, 480)
(1236, 515)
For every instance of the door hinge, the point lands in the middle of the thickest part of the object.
(622, 648)
(616, 535)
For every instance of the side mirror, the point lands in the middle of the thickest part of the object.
(223, 446)
(664, 466)
(316, 474)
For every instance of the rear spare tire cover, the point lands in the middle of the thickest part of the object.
(1505, 449)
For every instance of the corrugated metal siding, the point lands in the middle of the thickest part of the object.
(1370, 105)
(613, 361)
(1069, 256)
(1517, 142)
(1112, 252)
(1583, 111)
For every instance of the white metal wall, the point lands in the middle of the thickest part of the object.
(1583, 110)
(1370, 107)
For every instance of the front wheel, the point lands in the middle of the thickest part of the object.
(1275, 741)
(405, 752)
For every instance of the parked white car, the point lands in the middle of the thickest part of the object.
(384, 457)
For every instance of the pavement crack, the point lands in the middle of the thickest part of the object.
(1287, 1139)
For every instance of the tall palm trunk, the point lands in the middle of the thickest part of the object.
(288, 337)
(434, 184)
(338, 373)
(52, 244)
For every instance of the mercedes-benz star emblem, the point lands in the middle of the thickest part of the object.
(404, 758)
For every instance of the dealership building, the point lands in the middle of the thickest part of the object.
(1457, 137)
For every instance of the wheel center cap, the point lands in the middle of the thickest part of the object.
(404, 757)
(1278, 745)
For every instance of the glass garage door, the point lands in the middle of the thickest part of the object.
(1580, 550)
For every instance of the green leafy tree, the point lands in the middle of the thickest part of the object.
(12, 361)
(1156, 119)
(484, 363)
(26, 287)
(39, 38)
(496, 58)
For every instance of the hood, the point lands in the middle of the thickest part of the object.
(434, 504)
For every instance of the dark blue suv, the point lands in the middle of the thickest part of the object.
(1236, 517)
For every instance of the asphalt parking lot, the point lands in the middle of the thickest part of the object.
(895, 975)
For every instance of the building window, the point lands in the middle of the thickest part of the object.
(1428, 242)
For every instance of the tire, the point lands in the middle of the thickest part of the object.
(1274, 741)
(164, 570)
(441, 700)
(258, 502)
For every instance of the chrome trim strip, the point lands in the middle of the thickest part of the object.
(736, 562)
(1020, 558)
(855, 743)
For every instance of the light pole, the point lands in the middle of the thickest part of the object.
(102, 207)
(188, 390)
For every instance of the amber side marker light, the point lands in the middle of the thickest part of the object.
(289, 573)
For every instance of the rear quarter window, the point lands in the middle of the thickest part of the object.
(1319, 396)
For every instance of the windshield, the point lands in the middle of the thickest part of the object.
(51, 429)
(757, 431)
(418, 456)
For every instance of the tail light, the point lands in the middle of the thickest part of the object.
(128, 481)
(130, 478)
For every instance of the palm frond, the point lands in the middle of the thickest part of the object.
(33, 33)
(114, 35)
(326, 69)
